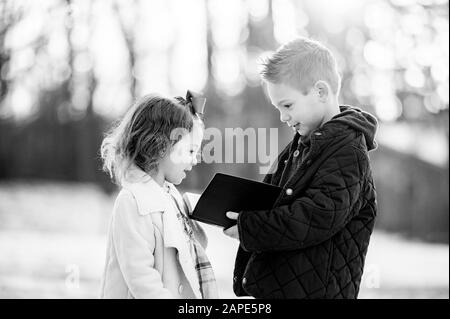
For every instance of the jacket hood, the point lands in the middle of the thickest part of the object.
(358, 120)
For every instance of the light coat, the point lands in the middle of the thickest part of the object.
(148, 253)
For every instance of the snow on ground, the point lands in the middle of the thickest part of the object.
(53, 241)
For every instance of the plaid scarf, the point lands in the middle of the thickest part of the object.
(206, 278)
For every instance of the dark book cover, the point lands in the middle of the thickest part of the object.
(231, 193)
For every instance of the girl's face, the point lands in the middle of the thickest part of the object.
(183, 155)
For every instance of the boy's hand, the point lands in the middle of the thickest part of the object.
(233, 230)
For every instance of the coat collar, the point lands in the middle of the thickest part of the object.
(349, 120)
(149, 196)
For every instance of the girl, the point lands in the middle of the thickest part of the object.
(154, 250)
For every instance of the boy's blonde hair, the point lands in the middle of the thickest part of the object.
(300, 64)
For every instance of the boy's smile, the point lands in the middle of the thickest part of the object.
(303, 113)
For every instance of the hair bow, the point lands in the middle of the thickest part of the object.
(196, 103)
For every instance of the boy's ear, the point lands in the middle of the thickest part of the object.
(322, 89)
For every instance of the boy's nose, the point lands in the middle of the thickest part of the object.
(284, 117)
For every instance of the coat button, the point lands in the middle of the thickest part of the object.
(296, 153)
(289, 191)
(180, 289)
(244, 281)
(285, 162)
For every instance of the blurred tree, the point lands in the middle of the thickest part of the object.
(127, 29)
(9, 16)
(62, 139)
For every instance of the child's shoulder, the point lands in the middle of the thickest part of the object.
(352, 145)
(148, 196)
(125, 197)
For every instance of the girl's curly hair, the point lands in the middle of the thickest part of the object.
(144, 135)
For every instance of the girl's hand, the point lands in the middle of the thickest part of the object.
(233, 230)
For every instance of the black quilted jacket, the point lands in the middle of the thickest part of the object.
(313, 242)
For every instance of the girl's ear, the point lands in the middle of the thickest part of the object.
(322, 89)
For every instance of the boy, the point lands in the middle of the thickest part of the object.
(313, 242)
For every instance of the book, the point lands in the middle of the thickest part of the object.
(230, 193)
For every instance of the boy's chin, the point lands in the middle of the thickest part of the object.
(302, 132)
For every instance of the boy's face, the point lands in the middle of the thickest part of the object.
(303, 113)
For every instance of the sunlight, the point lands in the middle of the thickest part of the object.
(28, 29)
(227, 19)
(111, 99)
(227, 71)
(22, 102)
(336, 15)
(443, 92)
(152, 73)
(379, 15)
(361, 85)
(388, 108)
(378, 55)
(170, 44)
(284, 20)
(189, 60)
(257, 9)
(23, 60)
(156, 24)
(432, 102)
(83, 62)
(429, 145)
(106, 34)
(414, 77)
(80, 36)
(57, 44)
(341, 8)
